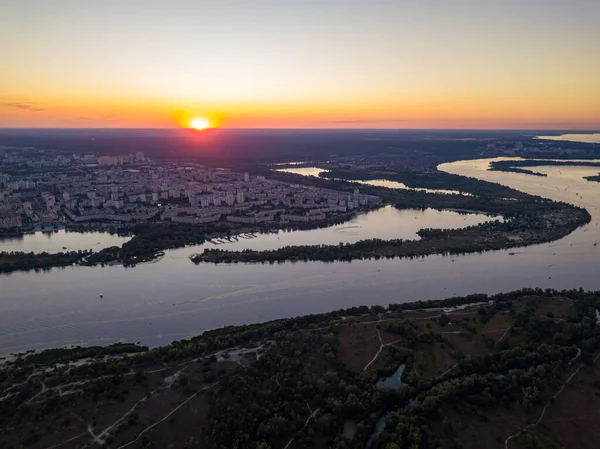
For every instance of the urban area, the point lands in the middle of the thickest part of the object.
(43, 191)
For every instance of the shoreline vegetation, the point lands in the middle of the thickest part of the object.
(514, 166)
(523, 231)
(486, 364)
(148, 243)
(528, 220)
(595, 178)
(21, 261)
(79, 228)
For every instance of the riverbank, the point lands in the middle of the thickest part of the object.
(119, 229)
(474, 365)
(62, 306)
(515, 165)
(549, 224)
(150, 240)
(21, 261)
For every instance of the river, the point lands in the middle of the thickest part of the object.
(386, 222)
(172, 298)
(585, 138)
(314, 171)
(60, 241)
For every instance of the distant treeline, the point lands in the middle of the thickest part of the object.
(514, 166)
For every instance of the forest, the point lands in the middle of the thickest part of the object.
(21, 261)
(476, 371)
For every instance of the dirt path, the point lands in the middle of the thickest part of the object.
(530, 426)
(100, 438)
(167, 415)
(448, 370)
(235, 353)
(381, 345)
(504, 335)
(312, 415)
(67, 441)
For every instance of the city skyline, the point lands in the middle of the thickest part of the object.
(329, 64)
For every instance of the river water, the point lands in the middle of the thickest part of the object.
(172, 298)
(314, 171)
(586, 138)
(60, 241)
(385, 223)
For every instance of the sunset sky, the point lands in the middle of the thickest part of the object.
(301, 64)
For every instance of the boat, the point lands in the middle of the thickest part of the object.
(511, 254)
(101, 296)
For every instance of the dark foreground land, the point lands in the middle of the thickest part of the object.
(515, 370)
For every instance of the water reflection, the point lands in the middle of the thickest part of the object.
(173, 298)
(304, 171)
(61, 240)
(314, 171)
(385, 223)
(399, 185)
(585, 138)
(395, 380)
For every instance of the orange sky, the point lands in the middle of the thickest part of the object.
(302, 64)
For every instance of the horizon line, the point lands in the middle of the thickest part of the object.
(577, 130)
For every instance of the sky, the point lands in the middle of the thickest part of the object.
(509, 64)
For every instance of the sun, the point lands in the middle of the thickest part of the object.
(199, 123)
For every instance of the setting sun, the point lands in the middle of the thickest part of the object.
(199, 123)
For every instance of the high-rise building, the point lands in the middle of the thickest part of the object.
(239, 197)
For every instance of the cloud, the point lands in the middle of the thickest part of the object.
(30, 106)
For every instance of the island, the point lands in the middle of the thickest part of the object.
(166, 204)
(595, 178)
(470, 372)
(514, 166)
(527, 220)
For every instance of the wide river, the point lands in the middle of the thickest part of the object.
(172, 298)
